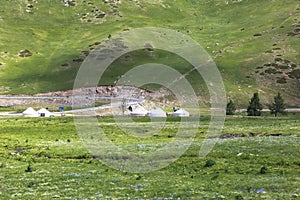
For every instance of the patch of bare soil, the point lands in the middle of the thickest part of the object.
(230, 135)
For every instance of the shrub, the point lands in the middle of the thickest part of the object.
(29, 168)
(30, 184)
(281, 80)
(271, 71)
(209, 163)
(257, 35)
(239, 197)
(294, 74)
(263, 170)
(230, 108)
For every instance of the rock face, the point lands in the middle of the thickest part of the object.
(25, 53)
(69, 3)
(89, 94)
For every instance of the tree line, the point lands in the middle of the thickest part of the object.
(255, 107)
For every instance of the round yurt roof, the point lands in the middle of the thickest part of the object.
(157, 112)
(181, 112)
(45, 111)
(138, 110)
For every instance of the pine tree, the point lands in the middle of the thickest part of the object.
(277, 106)
(255, 107)
(230, 109)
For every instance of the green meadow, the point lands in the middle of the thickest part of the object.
(254, 158)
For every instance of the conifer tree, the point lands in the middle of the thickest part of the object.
(230, 109)
(255, 107)
(277, 106)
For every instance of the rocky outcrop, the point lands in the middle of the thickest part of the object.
(69, 2)
(24, 53)
(86, 95)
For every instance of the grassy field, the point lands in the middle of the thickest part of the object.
(239, 35)
(45, 159)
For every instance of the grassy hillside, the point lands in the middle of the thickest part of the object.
(254, 43)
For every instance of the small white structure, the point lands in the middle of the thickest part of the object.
(30, 112)
(44, 113)
(157, 112)
(138, 110)
(181, 113)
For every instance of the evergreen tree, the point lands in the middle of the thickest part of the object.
(277, 106)
(255, 107)
(230, 109)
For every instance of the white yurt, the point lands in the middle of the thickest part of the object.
(30, 112)
(181, 113)
(157, 112)
(45, 113)
(138, 110)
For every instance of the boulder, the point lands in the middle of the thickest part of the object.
(25, 53)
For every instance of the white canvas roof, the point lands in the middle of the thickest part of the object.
(44, 111)
(181, 113)
(30, 112)
(157, 112)
(138, 110)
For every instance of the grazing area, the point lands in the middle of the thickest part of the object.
(254, 158)
(157, 61)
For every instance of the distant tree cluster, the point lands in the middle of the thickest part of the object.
(255, 107)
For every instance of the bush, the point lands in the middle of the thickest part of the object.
(239, 197)
(209, 163)
(230, 108)
(294, 74)
(29, 168)
(281, 80)
(263, 170)
(30, 184)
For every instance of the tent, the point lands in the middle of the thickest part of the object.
(157, 112)
(30, 112)
(44, 113)
(138, 110)
(181, 113)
